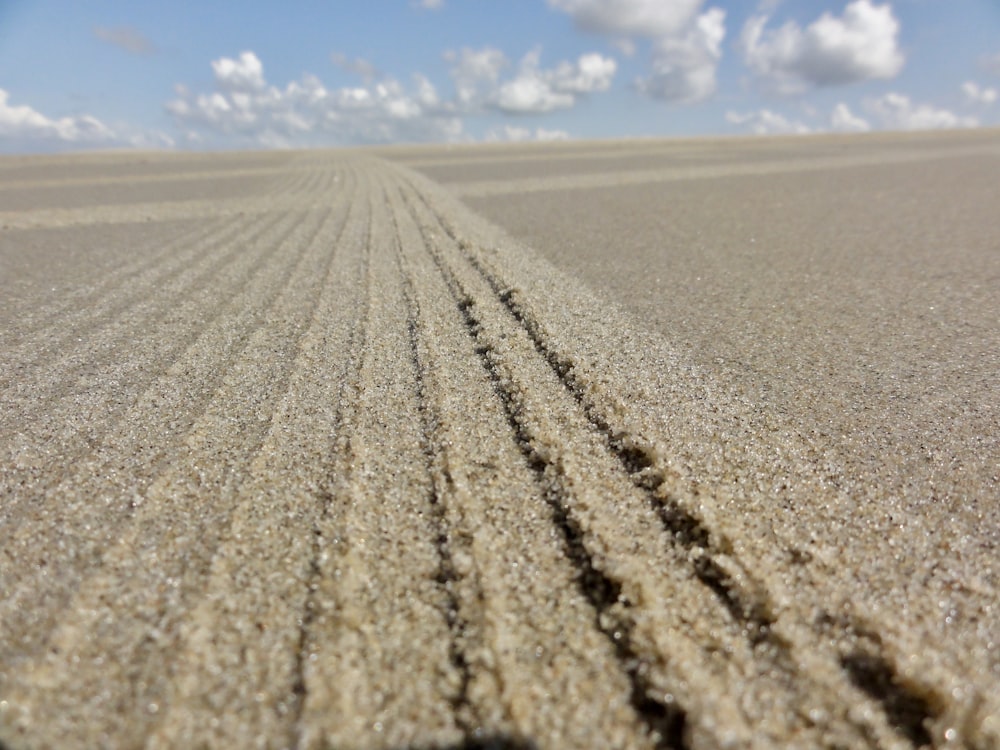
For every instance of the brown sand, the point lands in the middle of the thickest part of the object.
(329, 460)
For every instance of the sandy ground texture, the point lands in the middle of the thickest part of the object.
(700, 450)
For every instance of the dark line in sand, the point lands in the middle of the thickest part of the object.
(664, 722)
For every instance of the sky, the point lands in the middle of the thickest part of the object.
(190, 74)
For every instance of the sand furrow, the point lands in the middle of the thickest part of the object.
(98, 387)
(376, 669)
(254, 613)
(138, 644)
(545, 658)
(154, 289)
(157, 433)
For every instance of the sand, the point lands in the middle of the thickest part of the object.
(643, 444)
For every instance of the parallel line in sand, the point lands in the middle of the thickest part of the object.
(381, 624)
(47, 314)
(604, 179)
(665, 716)
(249, 613)
(141, 213)
(21, 182)
(166, 410)
(490, 499)
(275, 195)
(97, 389)
(88, 362)
(222, 443)
(719, 572)
(106, 306)
(908, 707)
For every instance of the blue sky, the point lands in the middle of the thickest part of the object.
(252, 74)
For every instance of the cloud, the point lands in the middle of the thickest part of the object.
(686, 45)
(683, 67)
(245, 110)
(897, 112)
(244, 74)
(513, 134)
(859, 45)
(23, 128)
(126, 38)
(535, 90)
(767, 122)
(976, 94)
(845, 121)
(651, 19)
(475, 73)
(429, 4)
(357, 66)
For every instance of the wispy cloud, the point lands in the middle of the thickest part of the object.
(126, 38)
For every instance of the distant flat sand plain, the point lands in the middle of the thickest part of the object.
(636, 444)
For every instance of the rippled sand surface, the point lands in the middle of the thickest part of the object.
(662, 444)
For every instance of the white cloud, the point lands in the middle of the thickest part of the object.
(684, 65)
(22, 124)
(245, 110)
(243, 74)
(976, 94)
(650, 19)
(429, 4)
(536, 90)
(126, 38)
(898, 112)
(845, 121)
(23, 128)
(513, 134)
(861, 44)
(686, 44)
(767, 122)
(475, 72)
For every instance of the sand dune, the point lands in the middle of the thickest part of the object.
(301, 451)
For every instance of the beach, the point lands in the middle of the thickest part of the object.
(653, 444)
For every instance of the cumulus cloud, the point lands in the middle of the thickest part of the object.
(245, 109)
(514, 134)
(976, 94)
(685, 43)
(475, 73)
(861, 44)
(651, 19)
(21, 123)
(244, 74)
(683, 67)
(897, 112)
(845, 121)
(767, 122)
(127, 38)
(23, 128)
(536, 90)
